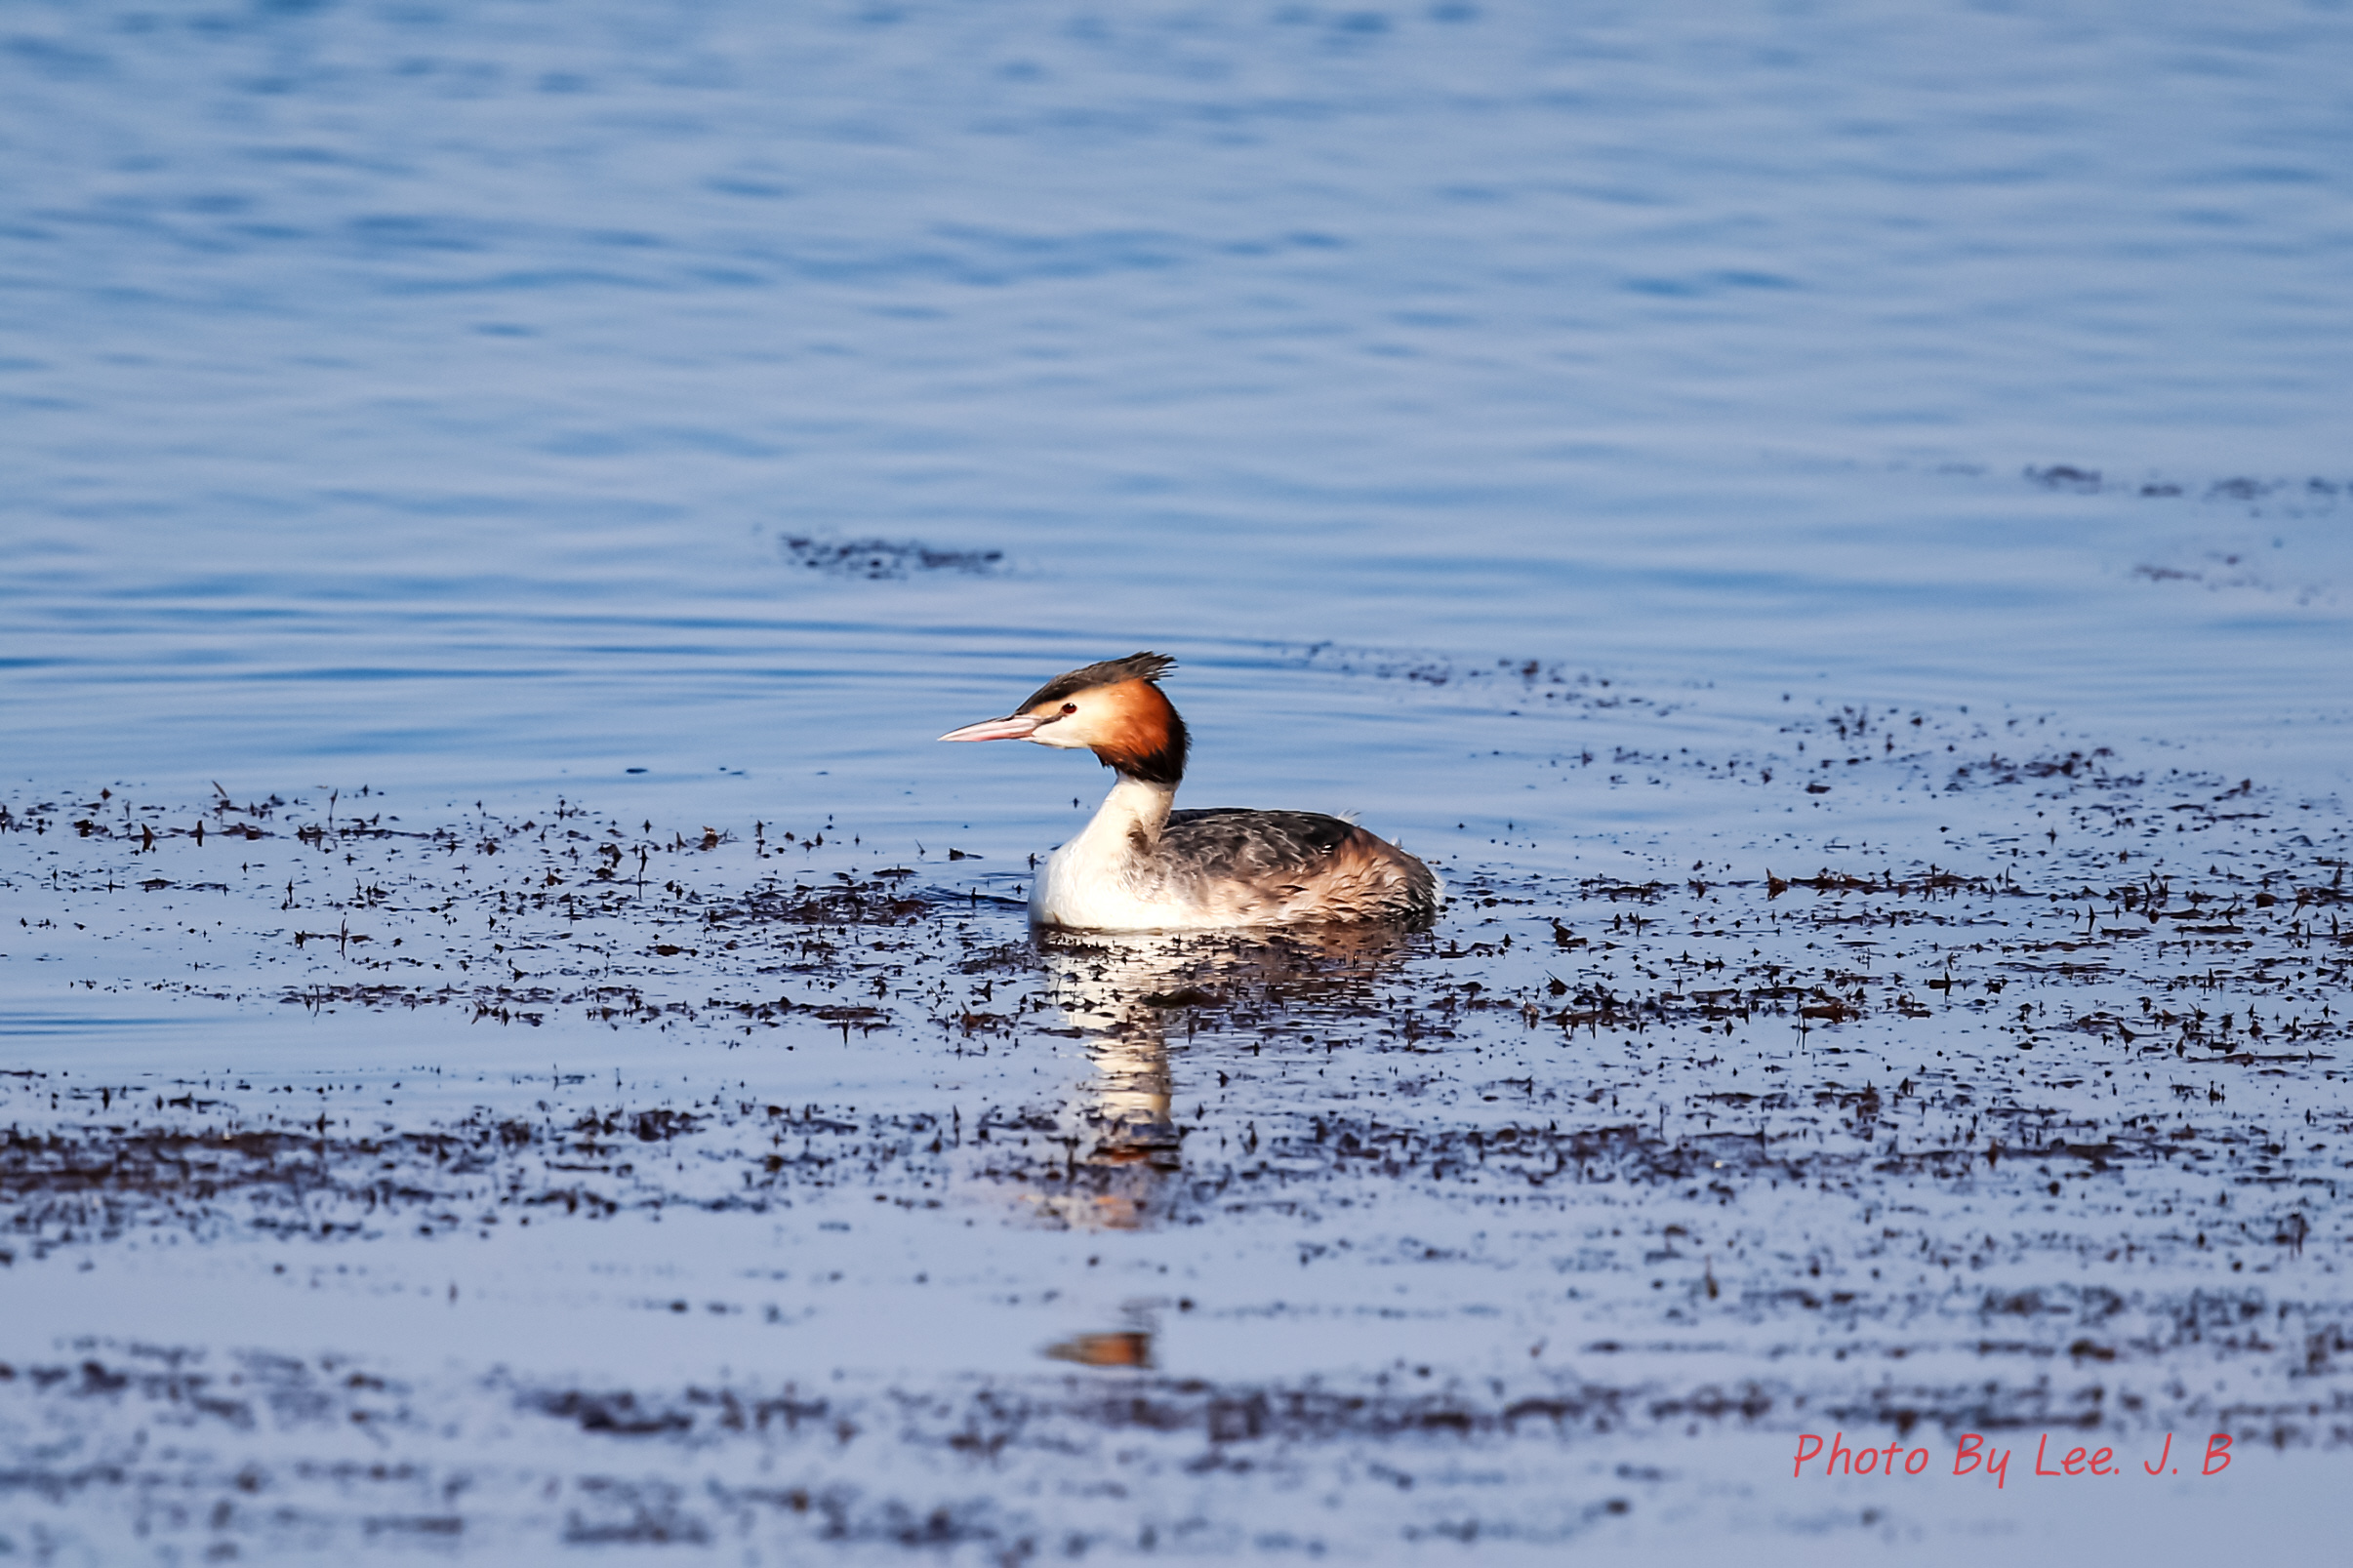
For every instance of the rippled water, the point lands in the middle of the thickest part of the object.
(1517, 420)
(420, 394)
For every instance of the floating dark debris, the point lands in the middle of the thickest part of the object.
(1998, 1142)
(882, 560)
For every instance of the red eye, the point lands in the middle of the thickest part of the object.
(1070, 707)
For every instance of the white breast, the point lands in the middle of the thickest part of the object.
(1085, 888)
(1099, 882)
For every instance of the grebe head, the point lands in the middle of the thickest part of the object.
(1114, 710)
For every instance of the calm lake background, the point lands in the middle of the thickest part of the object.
(693, 410)
(424, 394)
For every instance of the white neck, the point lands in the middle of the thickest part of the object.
(1129, 819)
(1103, 877)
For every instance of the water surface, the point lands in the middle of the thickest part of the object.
(1531, 429)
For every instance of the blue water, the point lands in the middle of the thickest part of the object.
(692, 410)
(423, 395)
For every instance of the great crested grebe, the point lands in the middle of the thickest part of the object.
(1141, 866)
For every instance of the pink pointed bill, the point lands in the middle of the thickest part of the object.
(1017, 727)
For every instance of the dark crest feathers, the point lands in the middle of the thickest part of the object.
(1109, 672)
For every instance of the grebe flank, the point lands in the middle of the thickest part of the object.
(1141, 866)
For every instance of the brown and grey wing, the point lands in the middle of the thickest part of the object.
(1284, 866)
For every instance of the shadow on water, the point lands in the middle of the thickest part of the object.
(1138, 1002)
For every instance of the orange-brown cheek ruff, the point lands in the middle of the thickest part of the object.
(1138, 732)
(1141, 866)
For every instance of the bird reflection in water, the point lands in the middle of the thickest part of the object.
(1126, 1349)
(1135, 996)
